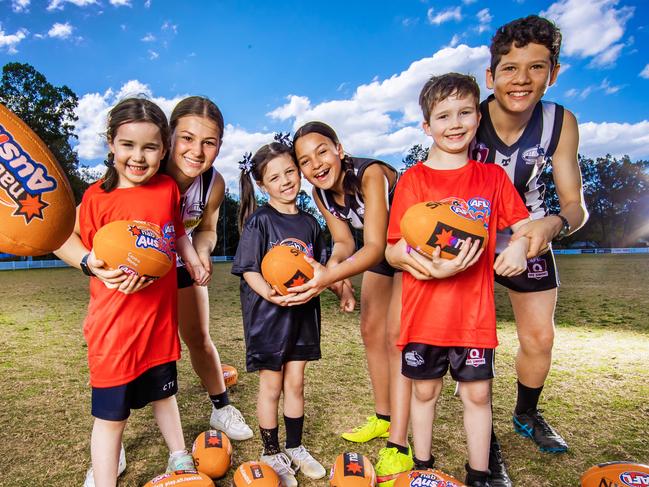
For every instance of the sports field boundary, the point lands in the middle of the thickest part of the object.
(14, 265)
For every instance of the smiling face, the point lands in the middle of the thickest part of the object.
(522, 76)
(453, 123)
(320, 160)
(137, 148)
(281, 180)
(195, 144)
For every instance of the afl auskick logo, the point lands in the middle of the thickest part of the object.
(24, 182)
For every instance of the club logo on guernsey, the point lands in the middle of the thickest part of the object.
(635, 479)
(24, 182)
(354, 465)
(476, 357)
(533, 155)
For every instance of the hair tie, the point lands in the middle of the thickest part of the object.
(246, 164)
(284, 139)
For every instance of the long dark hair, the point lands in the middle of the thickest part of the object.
(132, 110)
(252, 168)
(351, 183)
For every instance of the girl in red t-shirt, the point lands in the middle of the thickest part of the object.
(131, 327)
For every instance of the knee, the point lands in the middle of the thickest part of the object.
(538, 341)
(294, 386)
(198, 342)
(479, 397)
(371, 330)
(424, 392)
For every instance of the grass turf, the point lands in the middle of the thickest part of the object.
(596, 395)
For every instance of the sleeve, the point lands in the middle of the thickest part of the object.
(404, 198)
(511, 208)
(250, 250)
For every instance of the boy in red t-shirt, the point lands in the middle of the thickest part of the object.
(448, 317)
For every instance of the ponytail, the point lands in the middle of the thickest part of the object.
(111, 177)
(247, 199)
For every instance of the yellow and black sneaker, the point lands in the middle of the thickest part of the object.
(373, 428)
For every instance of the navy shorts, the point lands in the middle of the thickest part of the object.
(115, 403)
(383, 268)
(420, 361)
(184, 278)
(541, 275)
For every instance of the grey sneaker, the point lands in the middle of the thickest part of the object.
(282, 466)
(181, 461)
(302, 459)
(229, 420)
(121, 466)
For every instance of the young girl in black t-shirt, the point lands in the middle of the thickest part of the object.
(279, 339)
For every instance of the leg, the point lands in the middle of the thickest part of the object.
(294, 420)
(193, 324)
(400, 385)
(476, 397)
(424, 398)
(104, 449)
(165, 412)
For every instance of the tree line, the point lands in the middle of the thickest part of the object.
(615, 188)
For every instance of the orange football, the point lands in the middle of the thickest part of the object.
(257, 474)
(135, 247)
(212, 452)
(352, 470)
(230, 375)
(427, 478)
(446, 224)
(284, 266)
(186, 478)
(616, 474)
(37, 209)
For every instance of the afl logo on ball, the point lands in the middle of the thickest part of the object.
(24, 182)
(634, 479)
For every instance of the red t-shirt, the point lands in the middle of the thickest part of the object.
(129, 334)
(458, 311)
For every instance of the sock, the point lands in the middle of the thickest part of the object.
(424, 464)
(475, 475)
(220, 400)
(270, 440)
(177, 453)
(400, 448)
(293, 431)
(385, 417)
(528, 398)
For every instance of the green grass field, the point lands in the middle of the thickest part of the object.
(597, 394)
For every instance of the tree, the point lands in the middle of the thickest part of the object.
(226, 227)
(415, 154)
(48, 110)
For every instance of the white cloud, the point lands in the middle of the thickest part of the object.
(591, 28)
(409, 21)
(148, 38)
(382, 117)
(10, 41)
(484, 19)
(153, 55)
(60, 31)
(571, 93)
(19, 6)
(608, 88)
(169, 26)
(645, 72)
(455, 40)
(468, 2)
(617, 139)
(120, 3)
(444, 16)
(147, 3)
(59, 4)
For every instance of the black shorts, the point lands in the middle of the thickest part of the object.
(184, 278)
(383, 268)
(115, 403)
(420, 361)
(541, 275)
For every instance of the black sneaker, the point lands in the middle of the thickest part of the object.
(479, 483)
(532, 425)
(475, 478)
(498, 477)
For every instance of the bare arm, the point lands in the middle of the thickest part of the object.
(259, 285)
(567, 178)
(204, 237)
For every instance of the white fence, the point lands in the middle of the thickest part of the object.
(14, 265)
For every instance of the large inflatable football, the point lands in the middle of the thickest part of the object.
(427, 478)
(186, 478)
(446, 224)
(284, 266)
(616, 474)
(255, 474)
(352, 470)
(37, 209)
(212, 452)
(135, 247)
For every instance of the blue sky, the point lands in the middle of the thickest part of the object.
(359, 66)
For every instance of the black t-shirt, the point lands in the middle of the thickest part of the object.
(275, 334)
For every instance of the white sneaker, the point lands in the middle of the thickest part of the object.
(282, 466)
(180, 461)
(229, 420)
(302, 459)
(121, 466)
